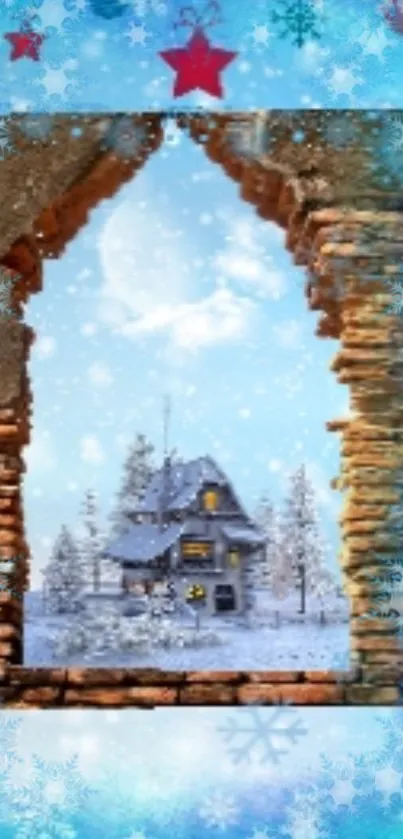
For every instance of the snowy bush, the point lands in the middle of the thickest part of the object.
(109, 632)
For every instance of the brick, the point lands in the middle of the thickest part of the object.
(206, 694)
(214, 676)
(372, 695)
(372, 642)
(36, 676)
(275, 676)
(121, 697)
(298, 694)
(94, 677)
(40, 696)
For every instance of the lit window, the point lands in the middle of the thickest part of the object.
(233, 558)
(210, 500)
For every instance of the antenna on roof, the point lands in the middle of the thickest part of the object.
(167, 417)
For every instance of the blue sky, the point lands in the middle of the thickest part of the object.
(176, 286)
(356, 62)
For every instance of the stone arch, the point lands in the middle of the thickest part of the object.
(337, 225)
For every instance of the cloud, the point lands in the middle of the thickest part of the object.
(246, 258)
(216, 319)
(91, 450)
(150, 287)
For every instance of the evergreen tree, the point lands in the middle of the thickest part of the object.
(138, 469)
(257, 567)
(265, 518)
(92, 544)
(64, 579)
(302, 554)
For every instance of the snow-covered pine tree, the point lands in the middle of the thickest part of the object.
(302, 553)
(92, 542)
(257, 567)
(138, 469)
(265, 518)
(64, 579)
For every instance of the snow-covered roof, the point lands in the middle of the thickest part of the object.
(184, 481)
(241, 535)
(143, 542)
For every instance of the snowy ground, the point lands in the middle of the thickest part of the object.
(292, 647)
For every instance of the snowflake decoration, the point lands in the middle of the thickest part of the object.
(8, 733)
(47, 800)
(125, 138)
(258, 734)
(298, 19)
(340, 130)
(108, 9)
(303, 826)
(394, 128)
(143, 7)
(249, 138)
(6, 145)
(219, 811)
(7, 280)
(36, 126)
(387, 148)
(395, 286)
(53, 14)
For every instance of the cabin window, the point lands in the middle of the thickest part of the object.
(233, 558)
(197, 550)
(210, 500)
(225, 598)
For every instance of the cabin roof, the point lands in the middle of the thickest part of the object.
(144, 542)
(185, 480)
(242, 535)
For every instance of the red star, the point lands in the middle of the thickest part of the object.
(25, 43)
(198, 65)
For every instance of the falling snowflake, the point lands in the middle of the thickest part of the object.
(260, 735)
(137, 34)
(299, 20)
(6, 145)
(7, 280)
(260, 35)
(126, 138)
(219, 811)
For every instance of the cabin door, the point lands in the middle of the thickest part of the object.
(225, 598)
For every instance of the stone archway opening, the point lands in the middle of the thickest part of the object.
(333, 216)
